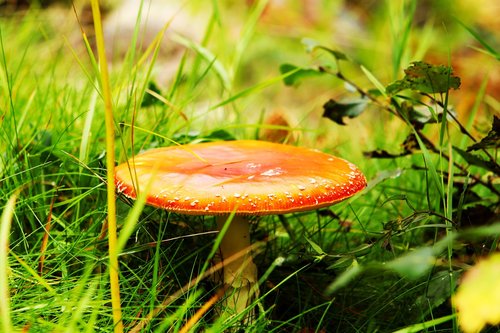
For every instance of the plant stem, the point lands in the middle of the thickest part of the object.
(110, 165)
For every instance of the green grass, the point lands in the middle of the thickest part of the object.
(386, 260)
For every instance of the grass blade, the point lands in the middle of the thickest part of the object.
(481, 40)
(380, 87)
(110, 165)
(7, 214)
(210, 58)
(428, 324)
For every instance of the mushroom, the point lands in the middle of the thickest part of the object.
(243, 177)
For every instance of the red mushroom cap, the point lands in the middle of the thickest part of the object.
(247, 177)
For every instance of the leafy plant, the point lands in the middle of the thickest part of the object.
(430, 83)
(419, 100)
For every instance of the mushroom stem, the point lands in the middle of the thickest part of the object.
(240, 275)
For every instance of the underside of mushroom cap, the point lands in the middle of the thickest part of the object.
(243, 176)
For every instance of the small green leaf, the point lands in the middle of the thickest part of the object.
(478, 161)
(216, 135)
(219, 135)
(342, 263)
(414, 264)
(336, 54)
(337, 111)
(492, 140)
(315, 247)
(343, 279)
(438, 290)
(186, 137)
(383, 176)
(420, 115)
(149, 99)
(297, 73)
(426, 78)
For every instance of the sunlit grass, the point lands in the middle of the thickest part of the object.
(338, 269)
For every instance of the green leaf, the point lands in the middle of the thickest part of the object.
(337, 111)
(315, 247)
(420, 115)
(149, 99)
(336, 54)
(426, 78)
(343, 279)
(492, 140)
(414, 264)
(219, 135)
(297, 73)
(191, 136)
(438, 291)
(342, 263)
(478, 161)
(383, 176)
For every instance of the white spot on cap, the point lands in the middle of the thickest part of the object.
(272, 172)
(253, 165)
